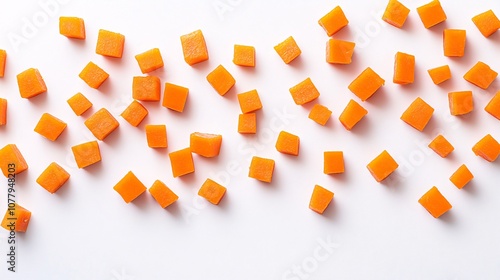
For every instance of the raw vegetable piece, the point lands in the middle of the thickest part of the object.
(30, 83)
(404, 68)
(174, 97)
(431, 13)
(205, 144)
(101, 124)
(461, 102)
(181, 162)
(129, 187)
(93, 75)
(333, 21)
(320, 114)
(79, 104)
(454, 42)
(304, 92)
(320, 199)
(481, 75)
(194, 47)
(156, 135)
(3, 111)
(261, 169)
(441, 146)
(461, 177)
(162, 194)
(135, 113)
(395, 13)
(149, 60)
(440, 74)
(493, 106)
(249, 101)
(3, 60)
(333, 162)
(50, 127)
(72, 27)
(352, 114)
(11, 160)
(339, 52)
(244, 55)
(487, 148)
(86, 154)
(418, 114)
(366, 84)
(22, 219)
(147, 88)
(247, 123)
(53, 177)
(382, 166)
(288, 143)
(212, 191)
(221, 80)
(288, 50)
(434, 202)
(487, 23)
(110, 44)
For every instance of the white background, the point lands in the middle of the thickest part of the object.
(259, 231)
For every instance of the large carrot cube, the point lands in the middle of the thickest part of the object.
(129, 187)
(431, 13)
(244, 55)
(212, 191)
(440, 74)
(454, 42)
(320, 199)
(221, 80)
(247, 123)
(93, 75)
(30, 83)
(320, 114)
(288, 143)
(249, 101)
(53, 177)
(194, 47)
(366, 84)
(156, 136)
(418, 114)
(50, 127)
(181, 162)
(79, 104)
(288, 50)
(487, 148)
(487, 23)
(261, 169)
(395, 13)
(11, 160)
(72, 27)
(339, 51)
(333, 21)
(174, 97)
(205, 144)
(461, 177)
(481, 75)
(86, 154)
(434, 202)
(441, 146)
(149, 60)
(382, 166)
(110, 44)
(333, 162)
(147, 88)
(352, 114)
(304, 92)
(404, 68)
(16, 219)
(493, 107)
(135, 113)
(461, 102)
(101, 124)
(162, 194)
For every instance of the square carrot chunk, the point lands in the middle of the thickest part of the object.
(261, 169)
(50, 127)
(288, 50)
(3, 60)
(404, 68)
(72, 27)
(481, 75)
(86, 154)
(135, 113)
(162, 194)
(461, 177)
(487, 148)
(487, 23)
(212, 191)
(129, 187)
(441, 146)
(149, 60)
(221, 80)
(320, 114)
(156, 135)
(101, 124)
(53, 177)
(205, 144)
(339, 52)
(333, 162)
(11, 160)
(333, 21)
(366, 84)
(244, 55)
(181, 162)
(493, 107)
(288, 143)
(395, 13)
(174, 97)
(30, 83)
(3, 111)
(434, 202)
(431, 13)
(320, 199)
(418, 114)
(247, 123)
(454, 42)
(194, 47)
(79, 104)
(110, 44)
(147, 88)
(249, 101)
(304, 92)
(461, 102)
(382, 166)
(440, 74)
(352, 114)
(21, 219)
(93, 75)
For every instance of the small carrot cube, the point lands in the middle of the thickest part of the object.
(110, 44)
(53, 177)
(93, 75)
(395, 13)
(86, 154)
(440, 74)
(461, 102)
(212, 191)
(288, 50)
(487, 23)
(205, 144)
(418, 114)
(366, 84)
(320, 199)
(441, 146)
(129, 187)
(3, 111)
(454, 42)
(249, 101)
(288, 143)
(493, 107)
(221, 80)
(247, 123)
(487, 148)
(21, 219)
(174, 97)
(147, 88)
(149, 60)
(352, 114)
(244, 55)
(431, 13)
(339, 52)
(156, 135)
(481, 75)
(79, 104)
(101, 124)
(333, 162)
(50, 127)
(382, 166)
(261, 169)
(135, 113)
(181, 162)
(320, 114)
(461, 177)
(30, 83)
(333, 21)
(3, 60)
(404, 68)
(304, 92)
(194, 47)
(162, 194)
(11, 160)
(434, 202)
(72, 27)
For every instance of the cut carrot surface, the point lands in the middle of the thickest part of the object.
(221, 80)
(461, 177)
(366, 84)
(3, 60)
(53, 177)
(93, 75)
(487, 23)
(86, 154)
(101, 124)
(149, 60)
(11, 160)
(247, 123)
(320, 114)
(333, 21)
(135, 113)
(382, 166)
(181, 162)
(395, 13)
(493, 106)
(418, 114)
(431, 13)
(129, 187)
(487, 148)
(244, 55)
(454, 42)
(333, 162)
(110, 44)
(288, 50)
(205, 144)
(339, 51)
(30, 83)
(3, 111)
(212, 191)
(481, 75)
(72, 27)
(79, 104)
(50, 127)
(441, 146)
(162, 194)
(147, 88)
(175, 97)
(352, 114)
(320, 199)
(434, 202)
(21, 219)
(156, 135)
(440, 74)
(288, 143)
(461, 102)
(194, 47)
(404, 68)
(304, 92)
(249, 101)
(261, 169)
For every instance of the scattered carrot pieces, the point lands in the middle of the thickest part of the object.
(418, 114)
(487, 23)
(50, 127)
(129, 187)
(86, 154)
(440, 74)
(156, 135)
(3, 60)
(174, 97)
(249, 101)
(288, 143)
(441, 146)
(481, 75)
(135, 113)
(93, 75)
(261, 169)
(147, 88)
(404, 68)
(366, 84)
(247, 123)
(339, 51)
(149, 60)
(162, 194)
(181, 162)
(487, 148)
(352, 114)
(21, 219)
(221, 80)
(244, 55)
(461, 102)
(212, 191)
(11, 160)
(72, 27)
(101, 124)
(395, 13)
(333, 21)
(304, 92)
(382, 166)
(320, 199)
(320, 114)
(110, 44)
(53, 177)
(30, 83)
(288, 50)
(194, 47)
(431, 13)
(461, 177)
(493, 107)
(79, 104)
(3, 111)
(434, 202)
(205, 144)
(333, 162)
(454, 42)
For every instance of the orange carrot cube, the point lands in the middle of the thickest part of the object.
(333, 21)
(16, 219)
(110, 44)
(147, 88)
(487, 23)
(288, 143)
(174, 97)
(156, 135)
(352, 114)
(212, 191)
(431, 13)
(3, 60)
(404, 68)
(181, 162)
(11, 160)
(333, 162)
(149, 60)
(93, 75)
(135, 113)
(247, 123)
(72, 27)
(304, 92)
(30, 83)
(249, 101)
(86, 154)
(53, 177)
(441, 146)
(261, 169)
(101, 124)
(487, 148)
(339, 52)
(79, 104)
(395, 13)
(162, 194)
(454, 42)
(418, 114)
(320, 114)
(288, 50)
(440, 74)
(221, 80)
(461, 177)
(320, 199)
(129, 187)
(205, 144)
(244, 55)
(493, 107)
(461, 102)
(366, 84)
(50, 127)
(3, 111)
(481, 75)
(382, 166)
(434, 202)
(194, 47)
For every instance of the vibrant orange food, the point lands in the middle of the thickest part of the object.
(181, 162)
(86, 154)
(53, 177)
(366, 84)
(11, 160)
(487, 148)
(156, 135)
(320, 114)
(244, 55)
(339, 52)
(418, 114)
(261, 169)
(493, 107)
(194, 47)
(441, 146)
(288, 143)
(454, 42)
(440, 74)
(249, 101)
(487, 23)
(333, 162)
(174, 97)
(431, 13)
(395, 13)
(79, 104)
(147, 88)
(110, 44)
(404, 68)
(288, 50)
(212, 191)
(162, 194)
(21, 218)
(461, 102)
(333, 21)
(3, 111)
(30, 83)
(149, 60)
(3, 60)
(352, 114)
(461, 177)
(247, 123)
(72, 27)
(382, 166)
(434, 202)
(50, 127)
(304, 92)
(320, 199)
(129, 187)
(102, 124)
(221, 80)
(481, 75)
(93, 75)
(135, 113)
(205, 144)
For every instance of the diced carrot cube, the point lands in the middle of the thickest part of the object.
(50, 127)
(288, 50)
(304, 92)
(93, 75)
(440, 74)
(11, 160)
(181, 162)
(156, 135)
(129, 187)
(454, 42)
(320, 199)
(110, 44)
(30, 83)
(493, 107)
(481, 75)
(249, 101)
(352, 114)
(21, 218)
(194, 47)
(366, 84)
(487, 23)
(333, 21)
(418, 114)
(205, 144)
(431, 13)
(212, 191)
(162, 194)
(135, 113)
(382, 166)
(149, 60)
(244, 55)
(320, 114)
(86, 154)
(3, 111)
(247, 123)
(333, 162)
(72, 27)
(3, 60)
(288, 143)
(261, 169)
(79, 104)
(221, 80)
(434, 202)
(487, 148)
(53, 177)
(339, 52)
(147, 88)
(461, 102)
(101, 124)
(395, 13)
(174, 97)
(441, 146)
(461, 177)
(404, 68)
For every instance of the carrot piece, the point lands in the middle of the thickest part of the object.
(441, 146)
(431, 13)
(86, 154)
(418, 114)
(395, 13)
(30, 83)
(93, 75)
(461, 177)
(247, 123)
(404, 68)
(454, 42)
(147, 88)
(249, 101)
(110, 44)
(194, 47)
(366, 84)
(3, 111)
(156, 136)
(481, 75)
(288, 50)
(244, 55)
(288, 143)
(149, 60)
(135, 113)
(11, 159)
(320, 114)
(382, 166)
(493, 107)
(3, 60)
(352, 114)
(101, 124)
(129, 187)
(79, 104)
(21, 218)
(461, 102)
(72, 27)
(487, 23)
(174, 97)
(440, 74)
(304, 92)
(205, 144)
(333, 21)
(434, 202)
(212, 191)
(261, 169)
(181, 162)
(162, 194)
(320, 199)
(53, 177)
(333, 162)
(339, 51)
(487, 148)
(50, 127)
(221, 80)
